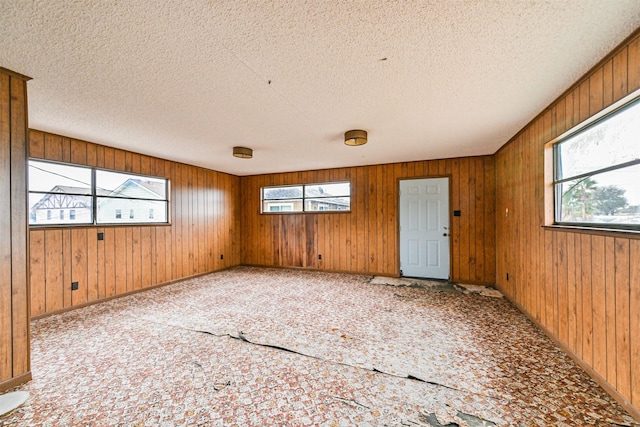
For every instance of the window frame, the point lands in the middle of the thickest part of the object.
(304, 198)
(94, 196)
(632, 100)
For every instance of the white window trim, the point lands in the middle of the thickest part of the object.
(303, 198)
(550, 167)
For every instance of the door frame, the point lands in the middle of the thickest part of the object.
(407, 178)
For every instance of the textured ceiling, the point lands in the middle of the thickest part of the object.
(188, 80)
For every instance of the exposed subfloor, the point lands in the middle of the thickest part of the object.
(252, 346)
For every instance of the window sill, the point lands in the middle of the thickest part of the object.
(87, 226)
(305, 213)
(615, 232)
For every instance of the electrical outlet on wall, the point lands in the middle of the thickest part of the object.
(74, 286)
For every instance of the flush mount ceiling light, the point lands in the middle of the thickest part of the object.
(355, 137)
(242, 152)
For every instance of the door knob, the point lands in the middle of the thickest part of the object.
(445, 234)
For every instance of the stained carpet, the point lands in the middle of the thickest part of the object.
(259, 347)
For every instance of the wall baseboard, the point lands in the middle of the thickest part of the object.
(15, 381)
(366, 273)
(474, 282)
(628, 406)
(321, 270)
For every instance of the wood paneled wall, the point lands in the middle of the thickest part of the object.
(14, 290)
(204, 225)
(582, 287)
(365, 240)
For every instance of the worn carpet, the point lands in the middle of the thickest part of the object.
(259, 347)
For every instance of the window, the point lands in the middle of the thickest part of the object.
(54, 187)
(597, 170)
(116, 191)
(326, 197)
(93, 196)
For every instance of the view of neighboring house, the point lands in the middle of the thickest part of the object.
(62, 205)
(130, 203)
(135, 200)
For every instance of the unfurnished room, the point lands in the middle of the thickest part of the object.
(320, 213)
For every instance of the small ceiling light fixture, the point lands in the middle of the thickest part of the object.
(355, 137)
(242, 152)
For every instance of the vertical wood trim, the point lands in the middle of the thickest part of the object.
(456, 223)
(607, 83)
(126, 254)
(610, 309)
(572, 328)
(577, 270)
(101, 269)
(595, 91)
(6, 328)
(136, 255)
(14, 244)
(79, 264)
(110, 262)
(37, 272)
(620, 86)
(584, 100)
(463, 267)
(478, 221)
(19, 238)
(53, 298)
(622, 316)
(562, 328)
(67, 260)
(634, 322)
(587, 298)
(634, 65)
(36, 144)
(599, 305)
(53, 147)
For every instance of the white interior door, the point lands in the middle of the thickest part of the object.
(424, 228)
